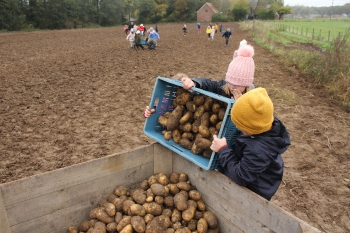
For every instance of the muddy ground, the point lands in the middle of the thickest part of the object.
(70, 96)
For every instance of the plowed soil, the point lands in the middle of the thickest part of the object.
(70, 96)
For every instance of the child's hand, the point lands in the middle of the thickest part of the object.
(218, 143)
(148, 112)
(187, 83)
(236, 94)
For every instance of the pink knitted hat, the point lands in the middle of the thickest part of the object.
(240, 72)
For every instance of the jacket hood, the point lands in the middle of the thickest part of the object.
(277, 138)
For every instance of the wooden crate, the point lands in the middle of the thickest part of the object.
(53, 201)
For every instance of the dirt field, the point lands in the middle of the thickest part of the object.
(74, 95)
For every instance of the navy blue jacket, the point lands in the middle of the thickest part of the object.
(213, 86)
(256, 160)
(227, 34)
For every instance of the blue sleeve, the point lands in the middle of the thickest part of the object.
(245, 170)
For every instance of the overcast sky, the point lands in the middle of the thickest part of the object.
(316, 2)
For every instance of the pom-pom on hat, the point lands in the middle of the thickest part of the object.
(243, 42)
(253, 112)
(240, 72)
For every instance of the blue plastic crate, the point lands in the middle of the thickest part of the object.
(163, 95)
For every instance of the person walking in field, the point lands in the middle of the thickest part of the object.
(208, 32)
(131, 26)
(198, 27)
(184, 29)
(227, 35)
(141, 29)
(131, 38)
(126, 29)
(212, 33)
(152, 38)
(144, 31)
(138, 40)
(216, 27)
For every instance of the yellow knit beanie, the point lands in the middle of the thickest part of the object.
(253, 112)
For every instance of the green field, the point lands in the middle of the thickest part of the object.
(322, 29)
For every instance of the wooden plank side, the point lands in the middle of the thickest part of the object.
(257, 207)
(5, 225)
(57, 222)
(227, 208)
(224, 207)
(31, 187)
(58, 210)
(64, 198)
(163, 159)
(252, 204)
(226, 225)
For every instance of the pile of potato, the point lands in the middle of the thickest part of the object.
(193, 122)
(161, 204)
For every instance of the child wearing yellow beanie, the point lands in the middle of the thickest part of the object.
(255, 161)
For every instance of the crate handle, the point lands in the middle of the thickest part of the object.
(175, 146)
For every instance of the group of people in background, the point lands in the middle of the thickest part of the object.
(213, 29)
(138, 36)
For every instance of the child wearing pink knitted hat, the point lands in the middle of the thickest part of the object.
(240, 72)
(239, 78)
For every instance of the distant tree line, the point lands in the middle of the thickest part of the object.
(62, 14)
(322, 11)
(18, 15)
